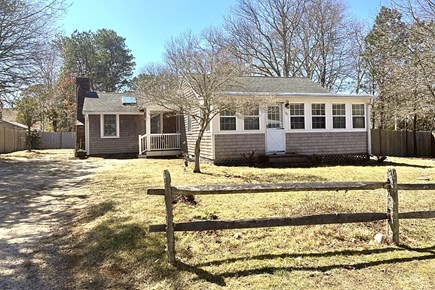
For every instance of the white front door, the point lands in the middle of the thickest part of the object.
(275, 133)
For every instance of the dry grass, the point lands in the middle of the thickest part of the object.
(113, 248)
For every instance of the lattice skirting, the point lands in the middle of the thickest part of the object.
(311, 160)
(339, 158)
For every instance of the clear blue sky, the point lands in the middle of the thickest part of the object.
(148, 24)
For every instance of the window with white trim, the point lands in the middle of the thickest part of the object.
(339, 116)
(228, 120)
(110, 126)
(189, 123)
(297, 116)
(318, 116)
(252, 120)
(358, 116)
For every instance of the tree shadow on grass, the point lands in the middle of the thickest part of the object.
(389, 163)
(219, 279)
(118, 254)
(272, 177)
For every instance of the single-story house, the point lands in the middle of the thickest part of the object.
(303, 119)
(306, 119)
(116, 123)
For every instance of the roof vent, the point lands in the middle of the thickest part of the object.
(128, 101)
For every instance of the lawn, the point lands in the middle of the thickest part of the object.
(112, 247)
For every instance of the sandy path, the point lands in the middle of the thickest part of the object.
(38, 199)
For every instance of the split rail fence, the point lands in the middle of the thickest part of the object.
(392, 214)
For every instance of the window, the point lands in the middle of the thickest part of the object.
(297, 119)
(318, 116)
(274, 116)
(228, 120)
(189, 123)
(252, 120)
(339, 116)
(109, 126)
(358, 116)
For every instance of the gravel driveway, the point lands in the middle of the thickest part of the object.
(39, 197)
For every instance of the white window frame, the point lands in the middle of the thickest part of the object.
(257, 116)
(364, 115)
(297, 116)
(227, 116)
(312, 116)
(345, 116)
(102, 126)
(189, 123)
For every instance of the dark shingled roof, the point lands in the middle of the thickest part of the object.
(258, 84)
(101, 102)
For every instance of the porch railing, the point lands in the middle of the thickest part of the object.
(142, 144)
(155, 142)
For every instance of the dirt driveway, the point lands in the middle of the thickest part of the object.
(40, 195)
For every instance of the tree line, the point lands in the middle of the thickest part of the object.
(38, 65)
(317, 39)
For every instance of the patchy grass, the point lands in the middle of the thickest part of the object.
(113, 248)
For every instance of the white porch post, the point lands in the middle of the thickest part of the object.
(148, 128)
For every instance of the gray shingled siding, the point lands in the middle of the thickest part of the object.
(326, 143)
(130, 126)
(206, 142)
(231, 146)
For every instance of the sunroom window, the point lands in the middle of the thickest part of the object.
(252, 120)
(228, 120)
(318, 119)
(338, 116)
(297, 116)
(358, 116)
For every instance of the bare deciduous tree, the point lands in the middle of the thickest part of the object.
(263, 33)
(196, 69)
(25, 27)
(416, 9)
(294, 38)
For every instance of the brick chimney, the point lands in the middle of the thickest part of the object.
(82, 87)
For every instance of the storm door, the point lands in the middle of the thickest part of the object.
(275, 133)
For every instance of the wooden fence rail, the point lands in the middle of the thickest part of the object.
(392, 214)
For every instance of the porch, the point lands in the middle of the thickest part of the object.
(164, 137)
(160, 144)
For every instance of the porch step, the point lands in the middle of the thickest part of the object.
(285, 160)
(161, 153)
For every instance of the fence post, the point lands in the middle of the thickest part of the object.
(170, 237)
(393, 206)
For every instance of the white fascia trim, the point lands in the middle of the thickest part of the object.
(87, 141)
(316, 95)
(113, 113)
